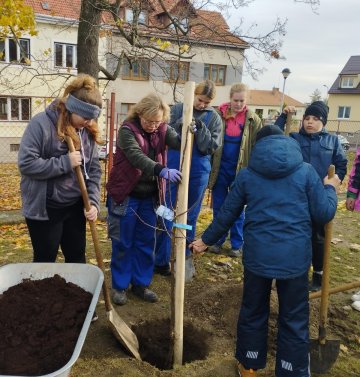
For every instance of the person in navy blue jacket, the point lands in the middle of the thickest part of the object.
(320, 149)
(282, 194)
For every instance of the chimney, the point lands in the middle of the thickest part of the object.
(275, 90)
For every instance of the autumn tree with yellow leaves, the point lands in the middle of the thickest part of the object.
(16, 18)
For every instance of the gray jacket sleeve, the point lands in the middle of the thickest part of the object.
(172, 138)
(208, 139)
(94, 182)
(32, 159)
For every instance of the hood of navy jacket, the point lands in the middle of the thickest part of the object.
(275, 156)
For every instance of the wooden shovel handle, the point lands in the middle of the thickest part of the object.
(94, 234)
(324, 303)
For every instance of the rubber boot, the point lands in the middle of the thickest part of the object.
(316, 281)
(246, 372)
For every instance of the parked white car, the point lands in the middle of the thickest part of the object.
(344, 142)
(103, 150)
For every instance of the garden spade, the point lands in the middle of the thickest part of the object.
(120, 329)
(323, 351)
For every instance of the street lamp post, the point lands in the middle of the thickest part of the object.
(285, 72)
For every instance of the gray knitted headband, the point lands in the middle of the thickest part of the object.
(84, 109)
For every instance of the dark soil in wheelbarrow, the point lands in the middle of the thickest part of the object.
(40, 322)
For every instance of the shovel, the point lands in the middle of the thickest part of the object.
(120, 329)
(324, 352)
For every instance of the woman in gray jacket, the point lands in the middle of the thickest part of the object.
(51, 197)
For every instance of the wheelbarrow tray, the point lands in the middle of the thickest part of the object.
(86, 276)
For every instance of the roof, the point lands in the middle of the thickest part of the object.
(352, 67)
(66, 9)
(206, 26)
(271, 98)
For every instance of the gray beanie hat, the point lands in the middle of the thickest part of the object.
(82, 108)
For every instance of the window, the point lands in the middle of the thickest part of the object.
(177, 71)
(344, 112)
(12, 108)
(65, 55)
(139, 70)
(14, 147)
(259, 112)
(347, 82)
(215, 73)
(129, 16)
(182, 21)
(12, 51)
(124, 111)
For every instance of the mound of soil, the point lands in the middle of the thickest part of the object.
(40, 322)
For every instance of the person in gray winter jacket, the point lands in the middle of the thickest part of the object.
(51, 198)
(282, 194)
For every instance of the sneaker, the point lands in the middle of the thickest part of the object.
(356, 305)
(316, 282)
(235, 253)
(119, 297)
(94, 318)
(246, 372)
(145, 293)
(356, 296)
(215, 249)
(162, 270)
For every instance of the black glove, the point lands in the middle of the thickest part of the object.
(196, 125)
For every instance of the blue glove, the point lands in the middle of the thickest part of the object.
(172, 175)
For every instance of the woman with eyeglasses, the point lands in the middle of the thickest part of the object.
(135, 188)
(240, 126)
(51, 198)
(207, 138)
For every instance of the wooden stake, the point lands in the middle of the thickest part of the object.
(288, 123)
(181, 209)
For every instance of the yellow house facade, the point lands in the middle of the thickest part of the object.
(344, 102)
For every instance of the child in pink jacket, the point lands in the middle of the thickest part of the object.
(353, 203)
(353, 191)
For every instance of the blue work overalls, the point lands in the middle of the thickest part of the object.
(198, 180)
(132, 233)
(226, 176)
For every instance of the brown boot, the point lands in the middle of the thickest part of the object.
(246, 372)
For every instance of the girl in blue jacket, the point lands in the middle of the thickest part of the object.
(320, 149)
(207, 139)
(282, 194)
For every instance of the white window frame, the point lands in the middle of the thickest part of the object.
(342, 110)
(18, 51)
(347, 81)
(8, 109)
(74, 53)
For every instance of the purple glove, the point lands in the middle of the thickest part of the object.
(172, 175)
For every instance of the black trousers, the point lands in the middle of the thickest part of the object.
(66, 228)
(317, 240)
